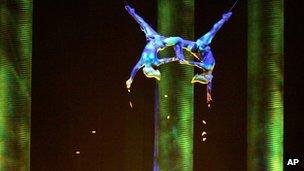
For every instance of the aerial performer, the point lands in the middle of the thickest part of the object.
(149, 58)
(200, 49)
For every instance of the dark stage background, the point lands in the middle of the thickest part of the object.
(83, 54)
(293, 88)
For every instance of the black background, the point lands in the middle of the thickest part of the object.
(83, 52)
(293, 89)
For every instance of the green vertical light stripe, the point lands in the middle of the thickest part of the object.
(15, 84)
(175, 120)
(265, 85)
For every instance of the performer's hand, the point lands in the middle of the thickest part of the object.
(128, 83)
(227, 15)
(209, 99)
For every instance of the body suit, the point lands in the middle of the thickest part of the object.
(149, 58)
(199, 49)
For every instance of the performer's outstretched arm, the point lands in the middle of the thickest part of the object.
(207, 64)
(207, 38)
(209, 89)
(197, 64)
(139, 65)
(145, 27)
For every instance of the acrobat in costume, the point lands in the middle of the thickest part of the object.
(200, 49)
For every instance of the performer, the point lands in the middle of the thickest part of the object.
(207, 61)
(156, 42)
(149, 58)
(200, 50)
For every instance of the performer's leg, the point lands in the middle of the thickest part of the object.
(145, 27)
(207, 38)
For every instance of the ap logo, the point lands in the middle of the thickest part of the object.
(292, 162)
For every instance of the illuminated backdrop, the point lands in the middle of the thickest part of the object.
(174, 112)
(15, 84)
(265, 85)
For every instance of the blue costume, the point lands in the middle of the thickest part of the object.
(149, 58)
(200, 49)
